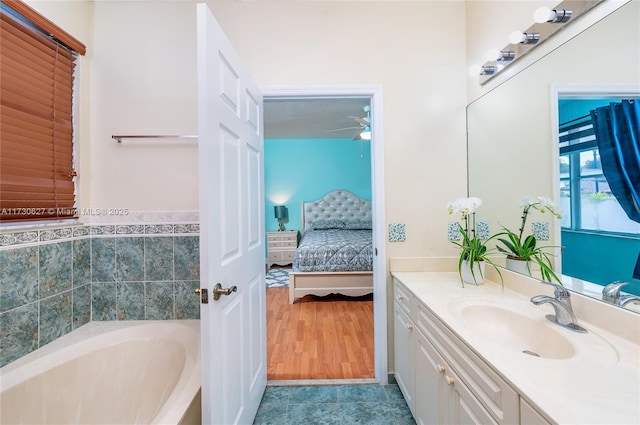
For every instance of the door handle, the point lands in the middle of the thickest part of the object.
(218, 291)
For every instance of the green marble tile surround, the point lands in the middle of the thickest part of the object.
(53, 281)
(334, 404)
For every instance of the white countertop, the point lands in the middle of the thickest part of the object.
(598, 384)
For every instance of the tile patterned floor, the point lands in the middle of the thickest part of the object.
(334, 404)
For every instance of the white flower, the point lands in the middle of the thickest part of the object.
(464, 206)
(540, 203)
(526, 201)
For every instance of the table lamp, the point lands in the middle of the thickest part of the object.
(282, 214)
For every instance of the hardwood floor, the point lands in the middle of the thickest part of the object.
(319, 338)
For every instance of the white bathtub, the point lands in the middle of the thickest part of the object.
(142, 372)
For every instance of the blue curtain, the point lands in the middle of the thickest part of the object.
(617, 130)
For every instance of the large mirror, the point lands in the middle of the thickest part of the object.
(513, 142)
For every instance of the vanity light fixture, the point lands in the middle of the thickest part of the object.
(501, 55)
(522, 42)
(555, 16)
(506, 56)
(518, 37)
(488, 69)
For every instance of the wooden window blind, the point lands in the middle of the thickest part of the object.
(36, 110)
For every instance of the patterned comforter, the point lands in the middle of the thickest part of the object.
(334, 250)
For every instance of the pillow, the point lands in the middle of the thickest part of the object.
(327, 224)
(358, 225)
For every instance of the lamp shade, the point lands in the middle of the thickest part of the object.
(280, 211)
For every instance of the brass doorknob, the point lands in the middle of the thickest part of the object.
(218, 291)
(197, 291)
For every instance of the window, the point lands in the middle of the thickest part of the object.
(36, 109)
(585, 196)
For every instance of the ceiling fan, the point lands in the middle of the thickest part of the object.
(364, 127)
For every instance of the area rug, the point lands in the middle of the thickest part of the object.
(277, 278)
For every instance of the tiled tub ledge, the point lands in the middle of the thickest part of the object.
(54, 280)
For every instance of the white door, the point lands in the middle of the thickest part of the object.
(231, 230)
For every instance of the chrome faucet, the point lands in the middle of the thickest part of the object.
(611, 294)
(561, 303)
(626, 299)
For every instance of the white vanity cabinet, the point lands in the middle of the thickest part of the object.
(443, 380)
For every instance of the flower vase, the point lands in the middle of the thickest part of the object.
(519, 266)
(478, 272)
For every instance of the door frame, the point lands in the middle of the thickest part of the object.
(374, 93)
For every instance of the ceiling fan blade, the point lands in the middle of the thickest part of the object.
(355, 139)
(341, 129)
(361, 120)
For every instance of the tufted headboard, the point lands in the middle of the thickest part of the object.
(339, 204)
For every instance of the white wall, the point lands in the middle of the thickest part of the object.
(415, 50)
(143, 81)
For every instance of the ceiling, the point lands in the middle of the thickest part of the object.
(305, 118)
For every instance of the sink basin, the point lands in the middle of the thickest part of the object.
(522, 328)
(516, 332)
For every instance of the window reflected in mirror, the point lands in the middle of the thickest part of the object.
(593, 219)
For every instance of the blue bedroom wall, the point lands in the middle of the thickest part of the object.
(601, 259)
(298, 170)
(569, 109)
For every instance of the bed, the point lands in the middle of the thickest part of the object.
(335, 254)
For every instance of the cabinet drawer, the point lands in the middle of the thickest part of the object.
(288, 238)
(500, 400)
(275, 256)
(402, 296)
(281, 244)
(288, 255)
(291, 243)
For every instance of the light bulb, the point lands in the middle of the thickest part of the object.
(493, 55)
(516, 37)
(543, 14)
(474, 70)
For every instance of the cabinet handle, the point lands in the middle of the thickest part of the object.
(440, 368)
(400, 297)
(409, 327)
(448, 379)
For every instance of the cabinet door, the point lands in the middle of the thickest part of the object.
(430, 384)
(404, 354)
(463, 406)
(529, 415)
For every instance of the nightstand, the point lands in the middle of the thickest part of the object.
(281, 247)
